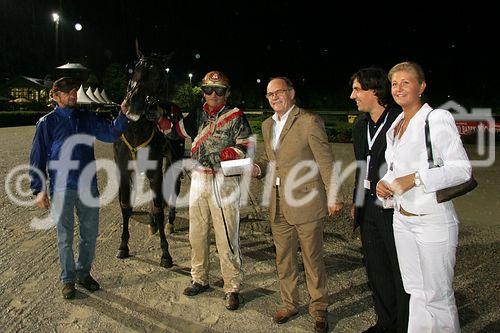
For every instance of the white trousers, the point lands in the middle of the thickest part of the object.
(426, 247)
(216, 200)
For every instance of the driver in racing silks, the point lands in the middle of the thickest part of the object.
(221, 133)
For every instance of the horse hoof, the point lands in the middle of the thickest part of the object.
(153, 229)
(166, 263)
(122, 254)
(169, 229)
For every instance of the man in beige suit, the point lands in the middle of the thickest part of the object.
(299, 163)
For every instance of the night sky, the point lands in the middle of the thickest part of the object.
(316, 46)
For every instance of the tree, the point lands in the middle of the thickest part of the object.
(187, 97)
(92, 81)
(115, 82)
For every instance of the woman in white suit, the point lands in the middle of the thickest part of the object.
(425, 231)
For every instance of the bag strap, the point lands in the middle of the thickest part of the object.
(428, 143)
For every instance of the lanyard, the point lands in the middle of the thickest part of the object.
(371, 141)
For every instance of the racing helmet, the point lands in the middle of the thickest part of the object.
(215, 79)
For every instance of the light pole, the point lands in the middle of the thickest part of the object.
(78, 41)
(190, 79)
(56, 18)
(167, 70)
(259, 93)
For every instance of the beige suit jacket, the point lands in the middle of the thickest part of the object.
(303, 138)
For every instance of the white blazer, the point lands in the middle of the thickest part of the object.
(409, 154)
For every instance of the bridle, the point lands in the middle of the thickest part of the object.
(151, 100)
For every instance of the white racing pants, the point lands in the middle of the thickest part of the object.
(215, 197)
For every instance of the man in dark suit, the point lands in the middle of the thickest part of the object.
(370, 91)
(296, 144)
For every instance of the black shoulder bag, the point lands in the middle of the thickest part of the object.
(452, 192)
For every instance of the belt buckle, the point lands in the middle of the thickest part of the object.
(406, 213)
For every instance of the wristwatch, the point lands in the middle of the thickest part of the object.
(418, 181)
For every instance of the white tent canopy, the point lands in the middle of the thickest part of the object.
(105, 97)
(90, 94)
(99, 97)
(72, 65)
(82, 98)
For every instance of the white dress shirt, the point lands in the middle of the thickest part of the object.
(278, 127)
(409, 154)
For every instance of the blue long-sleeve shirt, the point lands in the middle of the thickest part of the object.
(53, 130)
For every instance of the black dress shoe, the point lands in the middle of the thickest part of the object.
(68, 290)
(88, 283)
(232, 301)
(195, 288)
(321, 325)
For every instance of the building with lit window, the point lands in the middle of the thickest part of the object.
(23, 87)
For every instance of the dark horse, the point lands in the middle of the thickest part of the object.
(141, 100)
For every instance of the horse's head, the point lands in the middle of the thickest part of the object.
(145, 85)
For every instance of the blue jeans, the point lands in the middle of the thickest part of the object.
(63, 207)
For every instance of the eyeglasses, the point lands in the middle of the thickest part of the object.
(220, 91)
(277, 93)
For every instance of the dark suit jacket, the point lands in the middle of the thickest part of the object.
(360, 151)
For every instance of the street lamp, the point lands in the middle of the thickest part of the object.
(56, 19)
(259, 93)
(79, 40)
(190, 78)
(167, 70)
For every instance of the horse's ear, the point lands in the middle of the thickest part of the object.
(137, 51)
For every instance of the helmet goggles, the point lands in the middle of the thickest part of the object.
(208, 90)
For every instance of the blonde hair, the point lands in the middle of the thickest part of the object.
(408, 66)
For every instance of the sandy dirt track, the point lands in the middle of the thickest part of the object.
(139, 296)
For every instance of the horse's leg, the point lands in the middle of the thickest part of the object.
(159, 217)
(123, 250)
(171, 209)
(155, 178)
(166, 260)
(170, 222)
(167, 179)
(124, 198)
(153, 224)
